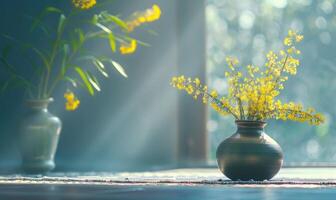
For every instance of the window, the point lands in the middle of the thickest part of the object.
(248, 29)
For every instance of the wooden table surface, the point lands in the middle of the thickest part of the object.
(290, 183)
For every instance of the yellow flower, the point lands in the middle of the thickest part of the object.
(232, 62)
(153, 14)
(84, 4)
(288, 41)
(128, 48)
(214, 93)
(299, 38)
(150, 15)
(72, 105)
(69, 96)
(72, 102)
(197, 82)
(292, 37)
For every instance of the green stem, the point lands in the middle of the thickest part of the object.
(60, 76)
(40, 85)
(51, 62)
(48, 91)
(241, 109)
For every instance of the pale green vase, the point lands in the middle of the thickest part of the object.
(39, 133)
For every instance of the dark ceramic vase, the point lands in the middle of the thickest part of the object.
(39, 133)
(249, 154)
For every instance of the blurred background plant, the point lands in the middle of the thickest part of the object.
(64, 56)
(251, 28)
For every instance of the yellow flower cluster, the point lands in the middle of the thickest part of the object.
(150, 15)
(252, 93)
(128, 48)
(295, 112)
(195, 88)
(72, 101)
(84, 4)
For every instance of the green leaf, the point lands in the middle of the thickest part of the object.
(99, 63)
(119, 68)
(100, 66)
(42, 57)
(94, 19)
(112, 42)
(27, 46)
(65, 56)
(74, 43)
(103, 27)
(77, 39)
(8, 66)
(110, 36)
(96, 34)
(43, 28)
(72, 81)
(38, 20)
(53, 9)
(61, 24)
(81, 36)
(114, 64)
(118, 21)
(93, 80)
(24, 47)
(85, 79)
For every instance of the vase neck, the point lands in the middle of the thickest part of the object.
(250, 127)
(38, 105)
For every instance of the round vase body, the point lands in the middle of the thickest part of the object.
(39, 133)
(249, 154)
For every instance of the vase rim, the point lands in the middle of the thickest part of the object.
(49, 100)
(38, 103)
(250, 123)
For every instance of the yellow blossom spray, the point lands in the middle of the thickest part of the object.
(253, 92)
